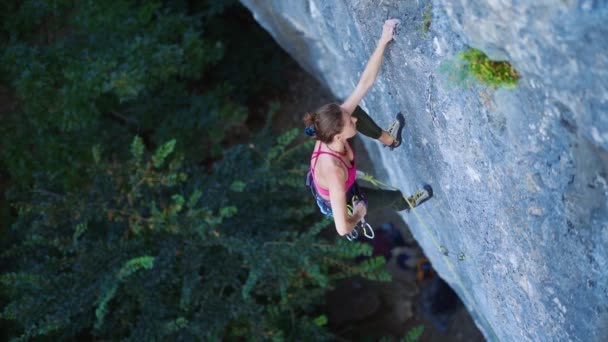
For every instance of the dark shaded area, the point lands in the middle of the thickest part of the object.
(94, 76)
(439, 303)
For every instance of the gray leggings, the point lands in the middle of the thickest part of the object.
(377, 198)
(382, 198)
(366, 125)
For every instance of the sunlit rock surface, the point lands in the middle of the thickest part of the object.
(518, 226)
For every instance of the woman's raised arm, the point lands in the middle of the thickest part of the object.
(368, 77)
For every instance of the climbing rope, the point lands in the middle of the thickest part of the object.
(369, 178)
(442, 249)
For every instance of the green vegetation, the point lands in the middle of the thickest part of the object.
(491, 73)
(414, 334)
(425, 25)
(136, 211)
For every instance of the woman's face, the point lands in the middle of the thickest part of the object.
(350, 125)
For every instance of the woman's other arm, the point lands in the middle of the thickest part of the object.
(371, 69)
(344, 223)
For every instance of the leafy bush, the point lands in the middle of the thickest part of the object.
(486, 71)
(168, 235)
(153, 249)
(425, 26)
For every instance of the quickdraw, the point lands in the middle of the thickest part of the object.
(367, 229)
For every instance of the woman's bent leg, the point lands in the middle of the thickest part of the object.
(366, 125)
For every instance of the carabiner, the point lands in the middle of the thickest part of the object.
(365, 226)
(353, 235)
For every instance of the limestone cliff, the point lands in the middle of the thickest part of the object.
(519, 222)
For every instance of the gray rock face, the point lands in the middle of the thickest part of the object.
(519, 222)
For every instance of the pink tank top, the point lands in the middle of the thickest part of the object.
(352, 171)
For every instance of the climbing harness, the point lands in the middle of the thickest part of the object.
(322, 203)
(355, 196)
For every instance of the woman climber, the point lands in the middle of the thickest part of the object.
(333, 168)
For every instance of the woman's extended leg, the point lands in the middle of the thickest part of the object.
(381, 198)
(367, 127)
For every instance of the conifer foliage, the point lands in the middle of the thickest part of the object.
(149, 250)
(129, 224)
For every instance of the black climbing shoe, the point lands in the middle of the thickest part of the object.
(421, 196)
(395, 130)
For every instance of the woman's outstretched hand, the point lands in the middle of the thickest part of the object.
(368, 77)
(388, 30)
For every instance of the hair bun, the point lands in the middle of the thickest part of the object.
(310, 130)
(309, 122)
